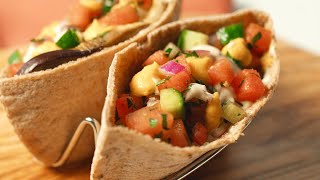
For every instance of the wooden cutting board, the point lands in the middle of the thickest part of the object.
(281, 143)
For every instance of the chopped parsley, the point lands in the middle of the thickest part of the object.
(103, 34)
(15, 57)
(39, 40)
(256, 38)
(228, 33)
(162, 81)
(189, 87)
(107, 6)
(242, 82)
(192, 54)
(168, 51)
(235, 60)
(153, 122)
(164, 122)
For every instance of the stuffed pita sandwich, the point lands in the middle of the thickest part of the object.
(61, 78)
(192, 87)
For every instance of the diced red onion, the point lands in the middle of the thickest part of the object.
(171, 67)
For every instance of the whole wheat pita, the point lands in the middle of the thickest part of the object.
(126, 154)
(46, 107)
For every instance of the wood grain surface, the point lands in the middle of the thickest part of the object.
(281, 143)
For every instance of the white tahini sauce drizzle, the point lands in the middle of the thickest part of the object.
(197, 91)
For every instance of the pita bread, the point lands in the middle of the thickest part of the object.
(46, 107)
(123, 153)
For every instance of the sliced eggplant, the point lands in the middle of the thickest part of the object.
(53, 59)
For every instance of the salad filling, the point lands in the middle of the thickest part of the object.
(191, 92)
(87, 21)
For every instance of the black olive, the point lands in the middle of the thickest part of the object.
(53, 59)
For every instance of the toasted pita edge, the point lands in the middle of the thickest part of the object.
(122, 152)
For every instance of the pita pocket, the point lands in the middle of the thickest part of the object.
(125, 153)
(46, 107)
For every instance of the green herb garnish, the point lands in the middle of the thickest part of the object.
(228, 33)
(238, 63)
(241, 82)
(39, 40)
(164, 122)
(68, 40)
(162, 81)
(107, 6)
(15, 57)
(103, 34)
(256, 38)
(235, 60)
(168, 51)
(153, 122)
(189, 87)
(192, 54)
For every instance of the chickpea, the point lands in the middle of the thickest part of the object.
(238, 50)
(92, 4)
(46, 46)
